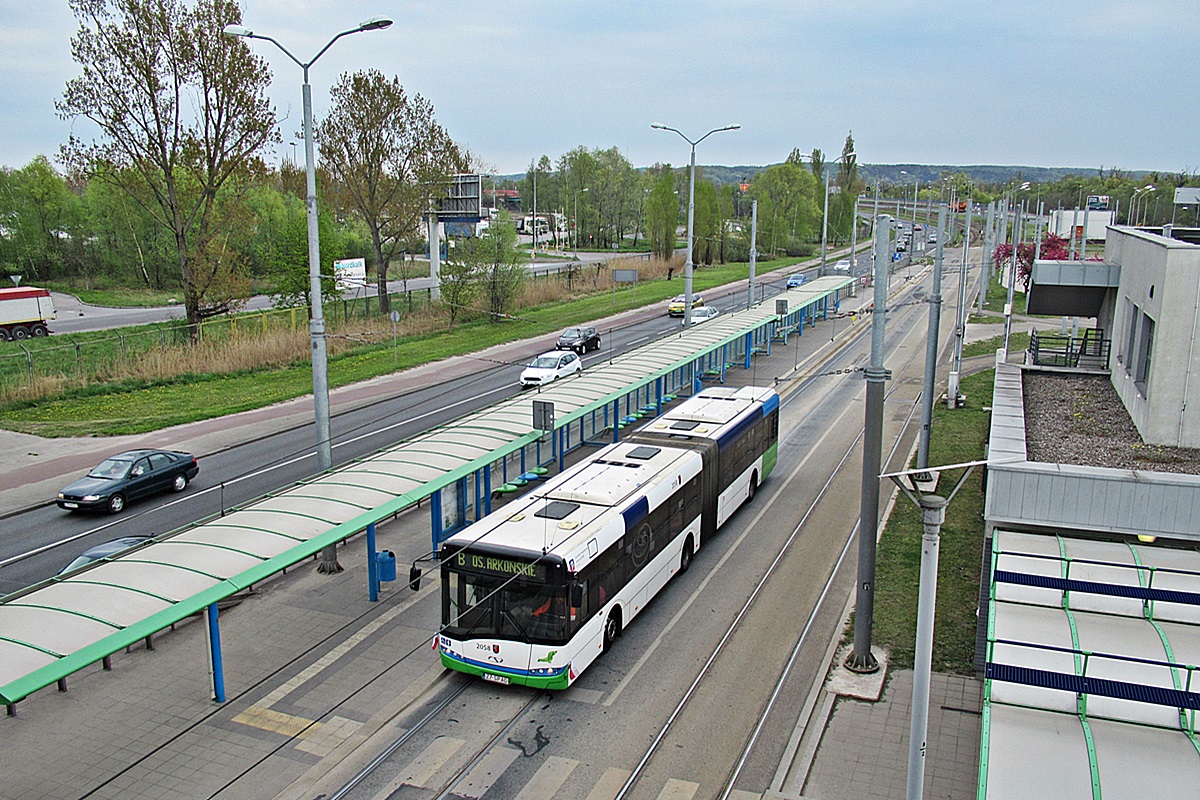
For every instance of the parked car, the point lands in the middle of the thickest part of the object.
(704, 314)
(842, 266)
(549, 367)
(106, 550)
(129, 476)
(675, 307)
(579, 339)
(799, 279)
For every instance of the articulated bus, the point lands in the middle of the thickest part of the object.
(535, 591)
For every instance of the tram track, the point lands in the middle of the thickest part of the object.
(455, 688)
(466, 689)
(768, 705)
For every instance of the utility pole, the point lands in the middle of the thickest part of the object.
(961, 323)
(861, 659)
(931, 348)
(753, 252)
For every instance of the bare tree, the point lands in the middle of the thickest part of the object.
(182, 111)
(390, 158)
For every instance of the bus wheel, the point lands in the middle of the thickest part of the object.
(685, 560)
(612, 628)
(753, 487)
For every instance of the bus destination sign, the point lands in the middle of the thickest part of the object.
(494, 565)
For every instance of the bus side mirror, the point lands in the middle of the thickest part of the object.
(414, 578)
(577, 596)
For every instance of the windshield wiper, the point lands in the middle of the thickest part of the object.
(515, 624)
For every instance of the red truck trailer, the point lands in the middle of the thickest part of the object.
(25, 312)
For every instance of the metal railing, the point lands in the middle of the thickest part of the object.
(1089, 350)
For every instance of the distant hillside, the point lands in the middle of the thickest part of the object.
(926, 173)
(891, 173)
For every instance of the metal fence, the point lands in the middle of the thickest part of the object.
(102, 352)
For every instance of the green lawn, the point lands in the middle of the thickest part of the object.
(956, 436)
(138, 408)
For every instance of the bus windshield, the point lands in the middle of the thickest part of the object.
(484, 606)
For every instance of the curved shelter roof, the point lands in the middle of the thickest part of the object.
(57, 627)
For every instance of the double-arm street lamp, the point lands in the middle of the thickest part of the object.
(316, 324)
(687, 267)
(1145, 193)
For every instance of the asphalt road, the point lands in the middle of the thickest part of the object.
(38, 542)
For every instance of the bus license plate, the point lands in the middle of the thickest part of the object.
(487, 676)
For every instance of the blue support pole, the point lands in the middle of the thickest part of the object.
(616, 420)
(461, 504)
(214, 654)
(658, 395)
(435, 517)
(560, 433)
(724, 360)
(372, 565)
(487, 487)
(749, 350)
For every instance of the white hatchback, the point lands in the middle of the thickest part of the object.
(549, 367)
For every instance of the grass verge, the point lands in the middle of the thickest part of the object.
(130, 407)
(956, 436)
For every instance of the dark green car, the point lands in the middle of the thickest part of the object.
(129, 476)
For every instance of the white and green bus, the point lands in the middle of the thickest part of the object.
(535, 591)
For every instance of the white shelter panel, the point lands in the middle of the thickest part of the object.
(1036, 625)
(1131, 637)
(295, 525)
(1124, 575)
(384, 478)
(1187, 580)
(51, 629)
(173, 583)
(1036, 754)
(265, 544)
(1138, 763)
(355, 495)
(115, 604)
(18, 660)
(208, 559)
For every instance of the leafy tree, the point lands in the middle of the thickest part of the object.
(182, 111)
(817, 163)
(390, 158)
(460, 281)
(707, 224)
(492, 257)
(43, 221)
(662, 214)
(789, 210)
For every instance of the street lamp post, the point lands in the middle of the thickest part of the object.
(687, 267)
(576, 236)
(316, 325)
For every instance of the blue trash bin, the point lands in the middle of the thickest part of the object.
(386, 561)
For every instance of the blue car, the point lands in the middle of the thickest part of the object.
(799, 279)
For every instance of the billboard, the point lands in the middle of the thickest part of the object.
(463, 201)
(1097, 202)
(1187, 195)
(351, 273)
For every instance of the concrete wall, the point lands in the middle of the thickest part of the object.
(1161, 278)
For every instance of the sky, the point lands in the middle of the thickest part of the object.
(1056, 83)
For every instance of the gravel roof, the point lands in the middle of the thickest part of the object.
(1079, 419)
